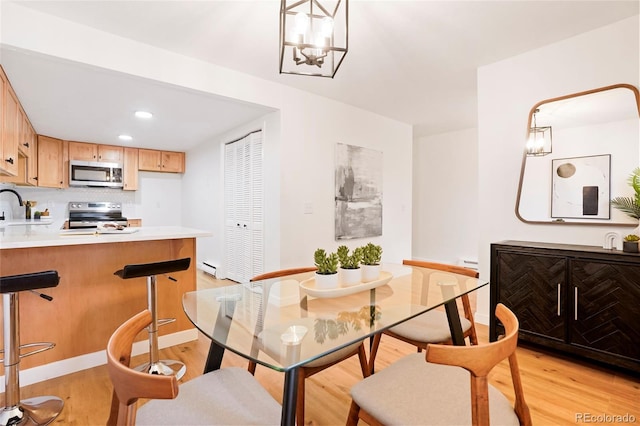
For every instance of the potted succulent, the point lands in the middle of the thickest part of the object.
(327, 273)
(350, 265)
(630, 243)
(371, 257)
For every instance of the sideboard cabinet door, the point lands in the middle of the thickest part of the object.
(606, 307)
(533, 287)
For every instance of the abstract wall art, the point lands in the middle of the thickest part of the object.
(358, 192)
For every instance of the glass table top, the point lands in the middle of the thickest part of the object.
(276, 322)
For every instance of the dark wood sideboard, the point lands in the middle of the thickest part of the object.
(581, 300)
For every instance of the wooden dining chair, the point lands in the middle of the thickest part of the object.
(435, 391)
(318, 365)
(432, 326)
(229, 396)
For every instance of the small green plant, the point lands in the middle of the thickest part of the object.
(371, 254)
(327, 264)
(630, 205)
(349, 261)
(631, 238)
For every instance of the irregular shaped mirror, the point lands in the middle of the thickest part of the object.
(580, 150)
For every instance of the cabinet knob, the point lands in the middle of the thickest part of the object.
(26, 144)
(9, 160)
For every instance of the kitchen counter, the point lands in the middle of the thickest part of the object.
(42, 235)
(90, 302)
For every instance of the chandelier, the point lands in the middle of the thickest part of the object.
(540, 139)
(313, 36)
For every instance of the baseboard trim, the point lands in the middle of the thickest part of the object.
(95, 359)
(481, 318)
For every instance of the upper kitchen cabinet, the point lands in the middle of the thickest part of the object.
(17, 139)
(9, 129)
(130, 169)
(51, 161)
(94, 152)
(160, 161)
(32, 155)
(27, 162)
(28, 154)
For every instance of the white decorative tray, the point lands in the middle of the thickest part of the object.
(309, 287)
(117, 231)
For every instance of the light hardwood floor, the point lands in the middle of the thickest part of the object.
(557, 390)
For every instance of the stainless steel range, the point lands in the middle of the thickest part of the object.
(84, 214)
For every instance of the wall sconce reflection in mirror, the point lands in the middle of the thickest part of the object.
(595, 124)
(540, 138)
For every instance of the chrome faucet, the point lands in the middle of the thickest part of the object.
(17, 195)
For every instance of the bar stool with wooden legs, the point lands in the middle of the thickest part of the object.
(40, 410)
(150, 271)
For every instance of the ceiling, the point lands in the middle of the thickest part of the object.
(414, 61)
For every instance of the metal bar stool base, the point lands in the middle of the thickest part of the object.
(164, 367)
(40, 410)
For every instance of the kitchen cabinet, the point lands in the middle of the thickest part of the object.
(10, 129)
(17, 140)
(134, 223)
(161, 161)
(581, 300)
(3, 86)
(32, 156)
(51, 161)
(24, 139)
(110, 153)
(95, 152)
(130, 172)
(27, 155)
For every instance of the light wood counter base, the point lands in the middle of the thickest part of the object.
(91, 302)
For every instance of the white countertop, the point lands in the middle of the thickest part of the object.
(28, 236)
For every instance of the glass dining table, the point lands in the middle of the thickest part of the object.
(284, 323)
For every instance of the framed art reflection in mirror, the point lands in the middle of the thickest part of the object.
(596, 143)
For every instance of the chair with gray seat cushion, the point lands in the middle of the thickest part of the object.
(229, 396)
(450, 387)
(318, 365)
(432, 326)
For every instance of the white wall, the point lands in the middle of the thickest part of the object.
(302, 160)
(158, 199)
(445, 197)
(203, 191)
(311, 128)
(506, 92)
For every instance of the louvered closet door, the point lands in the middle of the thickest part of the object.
(244, 242)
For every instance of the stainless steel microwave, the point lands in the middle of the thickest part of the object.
(90, 173)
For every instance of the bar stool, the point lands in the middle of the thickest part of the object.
(38, 410)
(150, 270)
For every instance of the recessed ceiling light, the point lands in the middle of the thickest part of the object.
(125, 138)
(143, 114)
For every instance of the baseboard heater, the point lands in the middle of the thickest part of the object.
(468, 263)
(208, 268)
